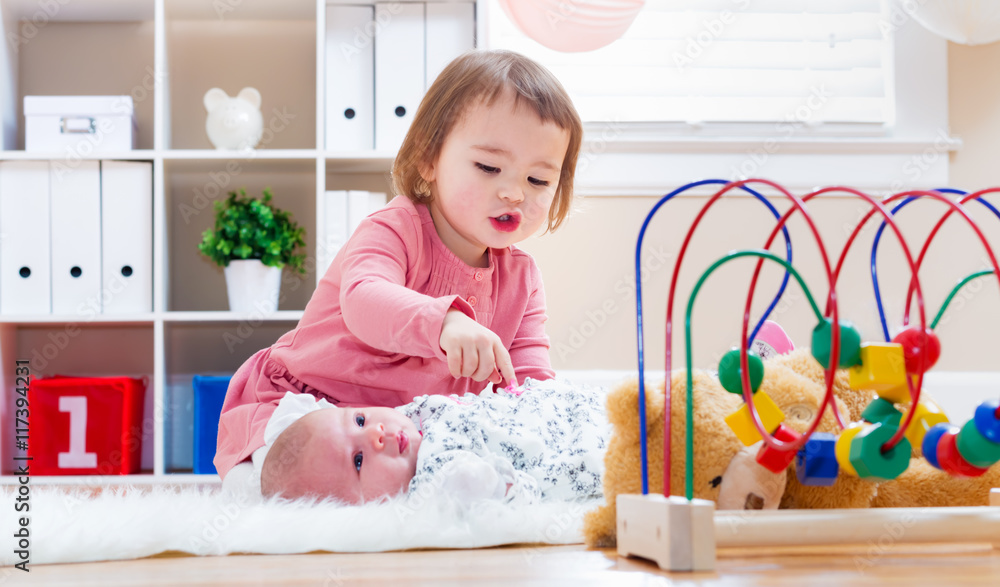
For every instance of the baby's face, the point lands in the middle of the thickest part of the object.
(362, 454)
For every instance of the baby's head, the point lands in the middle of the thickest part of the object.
(350, 454)
(487, 77)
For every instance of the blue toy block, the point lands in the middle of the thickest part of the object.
(209, 393)
(816, 461)
(930, 443)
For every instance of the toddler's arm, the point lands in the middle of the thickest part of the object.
(380, 307)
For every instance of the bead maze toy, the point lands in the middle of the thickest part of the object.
(681, 533)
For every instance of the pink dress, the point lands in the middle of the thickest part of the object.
(369, 334)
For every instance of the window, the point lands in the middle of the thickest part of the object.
(760, 61)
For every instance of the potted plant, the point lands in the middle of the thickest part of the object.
(252, 240)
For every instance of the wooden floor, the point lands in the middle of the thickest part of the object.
(946, 565)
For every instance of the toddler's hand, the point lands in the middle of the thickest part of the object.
(474, 350)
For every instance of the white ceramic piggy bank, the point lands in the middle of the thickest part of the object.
(233, 123)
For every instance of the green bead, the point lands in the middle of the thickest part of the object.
(882, 410)
(730, 375)
(850, 343)
(868, 459)
(975, 448)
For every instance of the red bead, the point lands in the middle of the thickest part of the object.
(776, 460)
(920, 350)
(951, 460)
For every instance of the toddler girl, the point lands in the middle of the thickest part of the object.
(430, 295)
(545, 443)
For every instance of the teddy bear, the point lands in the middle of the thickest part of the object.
(727, 472)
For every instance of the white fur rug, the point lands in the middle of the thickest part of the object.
(129, 522)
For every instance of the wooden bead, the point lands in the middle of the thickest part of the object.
(928, 414)
(776, 460)
(869, 460)
(986, 420)
(932, 439)
(741, 423)
(882, 410)
(843, 448)
(882, 369)
(850, 343)
(976, 449)
(816, 462)
(730, 374)
(951, 460)
(920, 349)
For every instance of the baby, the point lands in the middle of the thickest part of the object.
(543, 440)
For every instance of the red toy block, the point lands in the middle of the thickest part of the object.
(86, 425)
(775, 460)
(951, 460)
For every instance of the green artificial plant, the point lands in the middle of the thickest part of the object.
(251, 228)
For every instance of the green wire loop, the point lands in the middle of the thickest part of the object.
(954, 291)
(689, 415)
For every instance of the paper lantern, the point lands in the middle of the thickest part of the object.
(572, 26)
(969, 22)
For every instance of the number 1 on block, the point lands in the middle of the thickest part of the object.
(77, 457)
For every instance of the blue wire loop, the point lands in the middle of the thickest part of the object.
(878, 237)
(638, 304)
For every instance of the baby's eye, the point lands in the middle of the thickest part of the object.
(358, 458)
(360, 420)
(538, 182)
(488, 169)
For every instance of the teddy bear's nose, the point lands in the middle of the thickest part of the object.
(754, 502)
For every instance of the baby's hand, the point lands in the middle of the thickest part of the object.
(474, 350)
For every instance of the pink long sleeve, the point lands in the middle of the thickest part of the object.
(381, 306)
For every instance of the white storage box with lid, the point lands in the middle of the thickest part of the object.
(80, 124)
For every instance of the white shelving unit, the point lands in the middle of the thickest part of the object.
(166, 54)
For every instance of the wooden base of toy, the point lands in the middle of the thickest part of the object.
(677, 534)
(995, 496)
(858, 526)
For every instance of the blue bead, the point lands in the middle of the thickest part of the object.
(987, 422)
(930, 444)
(816, 461)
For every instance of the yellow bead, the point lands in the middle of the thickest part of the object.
(842, 450)
(770, 414)
(882, 367)
(927, 415)
(899, 394)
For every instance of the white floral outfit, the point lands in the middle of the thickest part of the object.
(546, 440)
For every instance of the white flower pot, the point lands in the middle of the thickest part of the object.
(252, 286)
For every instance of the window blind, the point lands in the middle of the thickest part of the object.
(808, 61)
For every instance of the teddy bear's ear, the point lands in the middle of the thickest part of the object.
(250, 95)
(215, 98)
